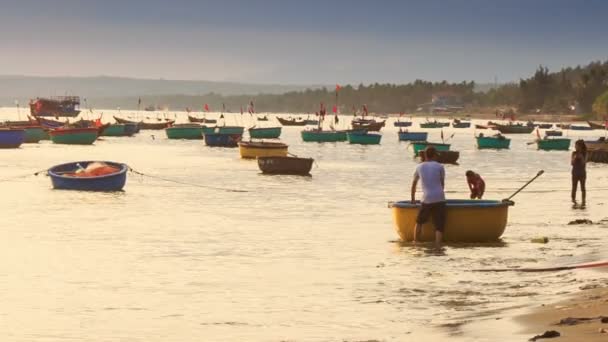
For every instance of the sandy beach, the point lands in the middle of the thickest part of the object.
(578, 318)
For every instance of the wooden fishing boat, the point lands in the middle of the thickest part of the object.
(147, 125)
(368, 125)
(285, 165)
(310, 122)
(421, 145)
(495, 142)
(55, 106)
(222, 139)
(11, 137)
(255, 149)
(51, 124)
(74, 136)
(131, 129)
(563, 126)
(264, 118)
(557, 144)
(291, 122)
(114, 130)
(461, 124)
(597, 145)
(364, 138)
(265, 132)
(553, 133)
(434, 124)
(89, 176)
(467, 220)
(201, 120)
(185, 131)
(402, 123)
(413, 136)
(320, 135)
(445, 157)
(33, 134)
(515, 129)
(544, 125)
(596, 125)
(580, 128)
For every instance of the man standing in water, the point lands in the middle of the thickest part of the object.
(432, 176)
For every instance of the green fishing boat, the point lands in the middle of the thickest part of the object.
(421, 145)
(265, 133)
(496, 143)
(74, 136)
(364, 138)
(207, 130)
(190, 132)
(115, 130)
(318, 135)
(231, 129)
(34, 134)
(558, 144)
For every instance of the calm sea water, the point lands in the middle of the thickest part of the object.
(294, 258)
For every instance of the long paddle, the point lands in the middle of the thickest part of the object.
(525, 185)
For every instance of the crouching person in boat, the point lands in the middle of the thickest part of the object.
(432, 176)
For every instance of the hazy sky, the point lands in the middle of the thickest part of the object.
(300, 42)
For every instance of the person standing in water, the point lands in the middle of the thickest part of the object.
(579, 170)
(432, 176)
(476, 184)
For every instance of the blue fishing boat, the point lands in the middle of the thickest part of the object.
(89, 176)
(11, 137)
(223, 139)
(413, 136)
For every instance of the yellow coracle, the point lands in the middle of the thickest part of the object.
(254, 149)
(466, 221)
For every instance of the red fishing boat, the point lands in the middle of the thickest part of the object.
(55, 106)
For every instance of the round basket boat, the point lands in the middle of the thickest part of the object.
(255, 149)
(62, 177)
(467, 220)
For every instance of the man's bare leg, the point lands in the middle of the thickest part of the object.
(417, 232)
(438, 239)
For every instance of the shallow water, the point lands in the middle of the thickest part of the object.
(295, 258)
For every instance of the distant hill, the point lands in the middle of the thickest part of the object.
(23, 88)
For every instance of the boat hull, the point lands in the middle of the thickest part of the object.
(287, 122)
(188, 133)
(554, 144)
(33, 135)
(515, 129)
(493, 143)
(222, 140)
(231, 130)
(115, 130)
(74, 136)
(580, 128)
(461, 125)
(554, 133)
(434, 124)
(11, 138)
(374, 126)
(466, 221)
(265, 133)
(285, 165)
(323, 136)
(111, 182)
(252, 150)
(402, 124)
(421, 145)
(413, 136)
(445, 157)
(364, 139)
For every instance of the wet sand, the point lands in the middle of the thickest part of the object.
(576, 319)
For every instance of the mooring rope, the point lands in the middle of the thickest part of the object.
(22, 176)
(184, 183)
(547, 269)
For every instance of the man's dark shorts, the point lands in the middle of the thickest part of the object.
(437, 211)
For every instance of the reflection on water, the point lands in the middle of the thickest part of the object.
(294, 258)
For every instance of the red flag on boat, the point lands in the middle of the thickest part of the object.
(365, 112)
(338, 88)
(335, 109)
(98, 123)
(206, 107)
(606, 124)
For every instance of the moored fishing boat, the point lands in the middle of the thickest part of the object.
(285, 165)
(185, 131)
(413, 136)
(434, 124)
(114, 130)
(89, 176)
(201, 120)
(557, 144)
(74, 136)
(467, 220)
(461, 124)
(596, 125)
(231, 129)
(265, 132)
(553, 133)
(364, 138)
(368, 125)
(515, 128)
(292, 122)
(544, 125)
(255, 149)
(33, 134)
(399, 123)
(445, 157)
(11, 137)
(263, 118)
(580, 128)
(55, 106)
(496, 142)
(310, 122)
(320, 135)
(597, 145)
(222, 139)
(147, 125)
(421, 145)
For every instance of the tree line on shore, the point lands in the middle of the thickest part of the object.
(582, 89)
